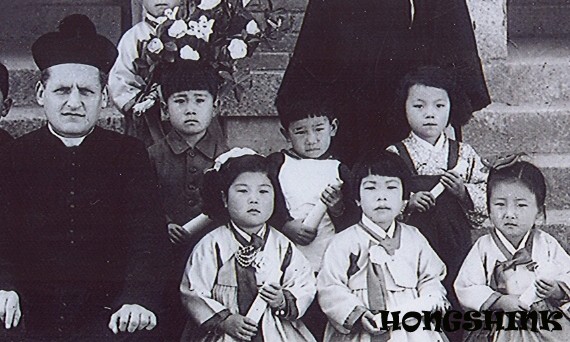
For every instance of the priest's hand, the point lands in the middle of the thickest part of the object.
(421, 201)
(177, 234)
(239, 326)
(10, 312)
(549, 288)
(132, 317)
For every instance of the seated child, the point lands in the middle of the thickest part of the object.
(180, 159)
(379, 263)
(5, 102)
(517, 267)
(430, 100)
(245, 265)
(125, 84)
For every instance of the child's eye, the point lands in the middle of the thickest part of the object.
(441, 106)
(391, 187)
(499, 204)
(299, 132)
(522, 205)
(418, 106)
(369, 188)
(179, 101)
(263, 191)
(200, 100)
(241, 191)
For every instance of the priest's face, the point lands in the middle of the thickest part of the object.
(72, 97)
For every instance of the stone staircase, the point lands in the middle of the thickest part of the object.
(529, 83)
(530, 112)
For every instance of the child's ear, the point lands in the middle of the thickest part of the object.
(6, 106)
(285, 133)
(357, 202)
(105, 99)
(225, 199)
(334, 127)
(541, 216)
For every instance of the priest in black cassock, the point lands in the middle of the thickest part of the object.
(81, 232)
(356, 52)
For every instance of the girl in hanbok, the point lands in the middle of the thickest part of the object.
(516, 267)
(448, 182)
(245, 280)
(379, 264)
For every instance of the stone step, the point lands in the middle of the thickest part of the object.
(538, 18)
(536, 71)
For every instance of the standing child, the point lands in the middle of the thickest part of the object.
(125, 84)
(448, 182)
(379, 263)
(179, 160)
(246, 265)
(517, 266)
(311, 180)
(5, 102)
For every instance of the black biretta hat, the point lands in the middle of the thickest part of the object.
(184, 75)
(76, 41)
(4, 81)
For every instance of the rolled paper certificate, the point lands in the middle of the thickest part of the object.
(259, 305)
(462, 168)
(529, 297)
(197, 224)
(317, 213)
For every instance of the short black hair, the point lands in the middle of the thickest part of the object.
(436, 77)
(217, 183)
(523, 172)
(4, 80)
(188, 75)
(380, 163)
(300, 109)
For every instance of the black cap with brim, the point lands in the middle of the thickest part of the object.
(76, 41)
(184, 75)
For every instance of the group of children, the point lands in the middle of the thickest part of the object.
(297, 240)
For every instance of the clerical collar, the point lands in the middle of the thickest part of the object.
(69, 142)
(379, 230)
(246, 236)
(508, 245)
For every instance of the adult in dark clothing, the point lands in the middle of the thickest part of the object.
(81, 233)
(359, 50)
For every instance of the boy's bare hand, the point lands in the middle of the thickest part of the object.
(421, 201)
(332, 197)
(453, 182)
(272, 293)
(299, 233)
(549, 289)
(239, 326)
(177, 234)
(132, 317)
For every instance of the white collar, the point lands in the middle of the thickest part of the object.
(69, 142)
(157, 20)
(439, 143)
(246, 236)
(379, 230)
(508, 245)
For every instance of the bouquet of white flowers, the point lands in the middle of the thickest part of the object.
(215, 33)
